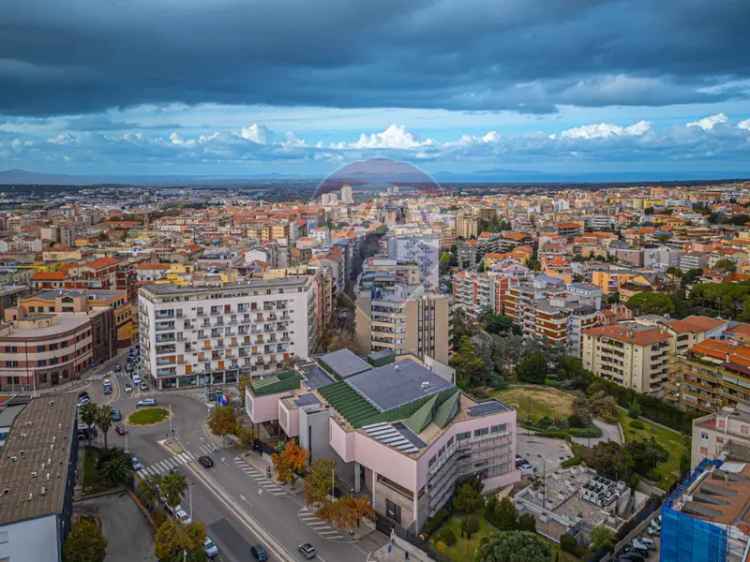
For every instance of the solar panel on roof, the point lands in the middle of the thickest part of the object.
(486, 408)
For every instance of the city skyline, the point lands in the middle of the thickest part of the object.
(495, 91)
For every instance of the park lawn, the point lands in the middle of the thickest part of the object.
(465, 549)
(535, 402)
(673, 441)
(148, 416)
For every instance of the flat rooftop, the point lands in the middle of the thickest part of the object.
(61, 322)
(344, 363)
(35, 459)
(166, 289)
(396, 384)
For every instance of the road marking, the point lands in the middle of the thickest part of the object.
(243, 498)
(249, 521)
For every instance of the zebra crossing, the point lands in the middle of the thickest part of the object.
(321, 527)
(166, 465)
(260, 478)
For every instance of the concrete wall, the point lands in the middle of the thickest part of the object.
(35, 540)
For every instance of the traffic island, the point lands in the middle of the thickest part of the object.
(148, 416)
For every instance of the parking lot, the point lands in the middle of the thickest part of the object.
(543, 453)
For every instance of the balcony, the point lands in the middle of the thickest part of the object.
(162, 314)
(165, 338)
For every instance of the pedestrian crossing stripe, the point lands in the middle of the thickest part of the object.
(165, 465)
(259, 477)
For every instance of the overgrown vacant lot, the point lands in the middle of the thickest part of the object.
(537, 402)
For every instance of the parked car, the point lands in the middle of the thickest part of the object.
(145, 402)
(307, 550)
(210, 548)
(118, 368)
(648, 542)
(640, 545)
(128, 387)
(116, 415)
(83, 398)
(259, 552)
(182, 515)
(136, 463)
(107, 389)
(120, 429)
(206, 461)
(136, 380)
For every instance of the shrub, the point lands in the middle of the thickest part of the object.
(568, 544)
(469, 526)
(437, 520)
(447, 536)
(635, 424)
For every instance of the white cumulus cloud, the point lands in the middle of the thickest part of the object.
(605, 130)
(394, 137)
(63, 138)
(490, 137)
(708, 123)
(256, 133)
(744, 124)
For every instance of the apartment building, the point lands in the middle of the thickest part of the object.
(466, 226)
(404, 320)
(46, 349)
(720, 433)
(629, 354)
(200, 335)
(421, 248)
(714, 373)
(401, 433)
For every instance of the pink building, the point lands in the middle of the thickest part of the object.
(401, 433)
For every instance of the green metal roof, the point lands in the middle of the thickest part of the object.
(422, 417)
(447, 410)
(275, 384)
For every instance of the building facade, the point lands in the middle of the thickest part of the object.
(209, 335)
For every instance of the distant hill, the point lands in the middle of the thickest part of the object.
(24, 177)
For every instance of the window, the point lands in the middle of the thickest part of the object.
(704, 451)
(462, 436)
(393, 511)
(480, 432)
(499, 428)
(704, 435)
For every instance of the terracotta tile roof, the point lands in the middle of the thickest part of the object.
(152, 266)
(740, 329)
(101, 263)
(626, 334)
(514, 235)
(48, 276)
(714, 348)
(695, 324)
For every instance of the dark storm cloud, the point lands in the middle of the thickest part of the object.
(82, 56)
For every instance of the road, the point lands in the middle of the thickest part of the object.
(237, 503)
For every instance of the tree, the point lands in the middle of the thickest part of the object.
(532, 368)
(513, 546)
(601, 537)
(104, 420)
(505, 516)
(290, 460)
(173, 486)
(496, 323)
(148, 489)
(469, 526)
(646, 455)
(634, 409)
(726, 265)
(116, 466)
(346, 512)
(468, 498)
(246, 435)
(568, 544)
(175, 542)
(526, 522)
(471, 370)
(85, 542)
(222, 421)
(610, 459)
(319, 481)
(650, 303)
(242, 385)
(89, 413)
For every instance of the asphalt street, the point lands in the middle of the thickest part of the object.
(237, 504)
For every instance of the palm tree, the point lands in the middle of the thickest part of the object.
(104, 421)
(117, 468)
(148, 489)
(173, 486)
(89, 414)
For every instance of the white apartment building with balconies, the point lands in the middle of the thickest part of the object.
(210, 335)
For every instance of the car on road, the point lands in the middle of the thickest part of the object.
(259, 552)
(144, 386)
(182, 515)
(118, 368)
(206, 461)
(145, 403)
(128, 387)
(116, 415)
(120, 429)
(83, 398)
(107, 390)
(136, 463)
(307, 550)
(210, 548)
(641, 545)
(136, 380)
